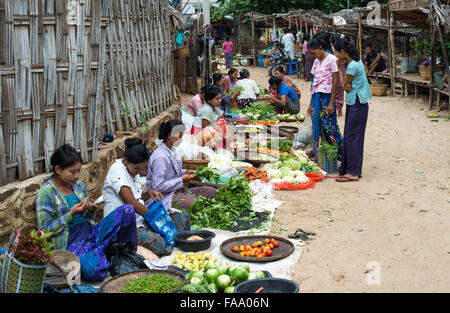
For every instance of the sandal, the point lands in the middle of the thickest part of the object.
(343, 179)
(301, 234)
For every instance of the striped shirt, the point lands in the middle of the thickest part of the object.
(53, 214)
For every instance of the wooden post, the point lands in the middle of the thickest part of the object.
(391, 50)
(433, 59)
(255, 53)
(445, 56)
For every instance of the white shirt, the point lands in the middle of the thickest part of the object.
(116, 178)
(288, 41)
(251, 89)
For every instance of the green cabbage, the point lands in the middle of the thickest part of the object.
(285, 171)
(293, 164)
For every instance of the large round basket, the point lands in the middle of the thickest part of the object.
(194, 164)
(117, 283)
(379, 90)
(285, 248)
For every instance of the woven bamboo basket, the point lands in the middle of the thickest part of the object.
(379, 90)
(194, 164)
(425, 71)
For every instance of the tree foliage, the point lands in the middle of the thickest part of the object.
(237, 7)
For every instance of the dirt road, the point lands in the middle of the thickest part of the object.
(397, 215)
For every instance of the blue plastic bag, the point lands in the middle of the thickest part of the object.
(160, 221)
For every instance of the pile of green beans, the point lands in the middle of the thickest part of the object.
(159, 283)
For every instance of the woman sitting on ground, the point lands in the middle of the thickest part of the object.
(166, 175)
(228, 83)
(124, 185)
(196, 102)
(250, 91)
(280, 73)
(64, 209)
(209, 125)
(286, 100)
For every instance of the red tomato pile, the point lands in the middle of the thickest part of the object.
(257, 249)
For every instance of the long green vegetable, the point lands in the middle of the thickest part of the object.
(159, 283)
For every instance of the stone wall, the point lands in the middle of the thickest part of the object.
(17, 200)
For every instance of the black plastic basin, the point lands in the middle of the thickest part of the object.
(270, 285)
(194, 245)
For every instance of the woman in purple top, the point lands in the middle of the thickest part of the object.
(166, 175)
(228, 83)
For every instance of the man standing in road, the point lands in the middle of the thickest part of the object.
(288, 42)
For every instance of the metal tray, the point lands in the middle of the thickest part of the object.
(285, 248)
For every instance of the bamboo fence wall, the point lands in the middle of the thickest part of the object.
(74, 70)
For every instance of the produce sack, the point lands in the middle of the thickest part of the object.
(160, 221)
(313, 178)
(289, 186)
(304, 138)
(123, 258)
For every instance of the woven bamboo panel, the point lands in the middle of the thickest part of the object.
(72, 71)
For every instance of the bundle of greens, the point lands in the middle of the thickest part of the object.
(283, 145)
(330, 150)
(258, 107)
(233, 90)
(267, 116)
(221, 211)
(209, 174)
(262, 93)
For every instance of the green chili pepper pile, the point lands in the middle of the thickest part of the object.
(159, 283)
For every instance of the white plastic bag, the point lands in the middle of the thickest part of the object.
(304, 137)
(187, 118)
(188, 148)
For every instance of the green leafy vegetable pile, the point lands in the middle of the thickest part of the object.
(233, 90)
(209, 174)
(159, 283)
(221, 211)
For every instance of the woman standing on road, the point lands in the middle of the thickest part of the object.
(322, 106)
(228, 52)
(309, 59)
(358, 93)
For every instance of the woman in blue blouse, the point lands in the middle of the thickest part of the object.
(358, 93)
